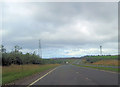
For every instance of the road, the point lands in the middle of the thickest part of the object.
(74, 75)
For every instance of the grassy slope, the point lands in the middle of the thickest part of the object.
(103, 57)
(101, 60)
(101, 68)
(15, 72)
(107, 62)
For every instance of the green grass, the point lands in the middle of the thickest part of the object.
(93, 59)
(14, 72)
(101, 68)
(103, 57)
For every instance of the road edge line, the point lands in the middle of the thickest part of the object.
(41, 77)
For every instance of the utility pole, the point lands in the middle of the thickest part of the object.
(40, 50)
(100, 50)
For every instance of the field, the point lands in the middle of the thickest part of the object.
(14, 72)
(103, 57)
(101, 60)
(107, 62)
(63, 61)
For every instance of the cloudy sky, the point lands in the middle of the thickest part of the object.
(65, 28)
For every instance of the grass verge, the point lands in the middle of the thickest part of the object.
(101, 68)
(14, 72)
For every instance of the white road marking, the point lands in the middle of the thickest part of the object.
(41, 77)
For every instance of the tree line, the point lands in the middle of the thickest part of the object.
(17, 57)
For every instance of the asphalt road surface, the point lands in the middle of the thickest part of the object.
(74, 75)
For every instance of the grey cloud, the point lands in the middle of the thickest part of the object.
(60, 25)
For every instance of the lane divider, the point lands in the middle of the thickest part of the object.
(40, 78)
